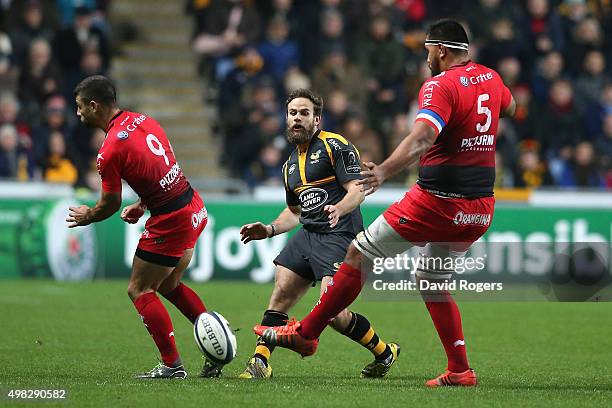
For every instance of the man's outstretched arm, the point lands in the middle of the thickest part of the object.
(107, 205)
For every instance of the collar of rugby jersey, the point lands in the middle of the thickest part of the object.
(113, 120)
(463, 64)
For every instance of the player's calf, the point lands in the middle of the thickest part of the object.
(361, 331)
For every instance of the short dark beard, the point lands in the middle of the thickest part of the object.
(435, 70)
(300, 136)
(87, 123)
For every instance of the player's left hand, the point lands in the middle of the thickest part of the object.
(132, 213)
(77, 216)
(333, 214)
(372, 178)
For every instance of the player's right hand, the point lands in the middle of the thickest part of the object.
(372, 178)
(255, 231)
(132, 213)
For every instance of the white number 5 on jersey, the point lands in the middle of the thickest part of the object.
(483, 110)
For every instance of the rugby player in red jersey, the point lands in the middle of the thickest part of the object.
(137, 150)
(454, 136)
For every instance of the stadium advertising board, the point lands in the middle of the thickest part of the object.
(34, 241)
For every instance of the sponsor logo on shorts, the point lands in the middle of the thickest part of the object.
(403, 220)
(462, 218)
(197, 218)
(292, 168)
(312, 198)
(351, 162)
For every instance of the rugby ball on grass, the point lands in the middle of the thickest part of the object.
(215, 338)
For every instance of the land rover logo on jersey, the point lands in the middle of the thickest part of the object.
(464, 81)
(312, 198)
(123, 135)
(351, 162)
(292, 168)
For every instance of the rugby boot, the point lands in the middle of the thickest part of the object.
(450, 379)
(287, 337)
(256, 369)
(163, 371)
(379, 368)
(211, 370)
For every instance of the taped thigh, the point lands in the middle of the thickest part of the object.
(380, 240)
(437, 262)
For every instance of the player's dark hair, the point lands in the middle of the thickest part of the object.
(96, 88)
(316, 100)
(448, 30)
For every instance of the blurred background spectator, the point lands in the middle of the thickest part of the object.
(57, 166)
(222, 28)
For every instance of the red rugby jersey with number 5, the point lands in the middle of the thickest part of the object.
(463, 105)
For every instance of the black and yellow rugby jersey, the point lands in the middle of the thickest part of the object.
(315, 177)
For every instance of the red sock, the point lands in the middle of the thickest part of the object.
(157, 321)
(340, 293)
(447, 319)
(187, 301)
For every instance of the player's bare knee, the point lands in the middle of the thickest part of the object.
(281, 299)
(353, 256)
(134, 290)
(137, 288)
(169, 284)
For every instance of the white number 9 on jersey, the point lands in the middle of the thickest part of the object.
(156, 147)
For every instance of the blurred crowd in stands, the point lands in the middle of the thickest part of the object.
(366, 58)
(46, 48)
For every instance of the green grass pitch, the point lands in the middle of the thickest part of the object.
(87, 338)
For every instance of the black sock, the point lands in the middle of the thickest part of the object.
(270, 318)
(361, 331)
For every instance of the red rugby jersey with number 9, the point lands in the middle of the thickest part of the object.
(137, 150)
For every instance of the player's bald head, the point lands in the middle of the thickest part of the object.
(96, 88)
(449, 33)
